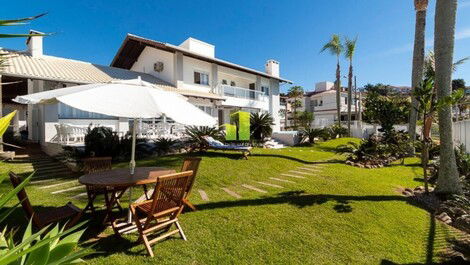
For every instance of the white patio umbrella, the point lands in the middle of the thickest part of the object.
(128, 99)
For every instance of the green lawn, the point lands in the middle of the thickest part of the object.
(339, 215)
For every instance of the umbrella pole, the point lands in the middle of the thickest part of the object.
(132, 167)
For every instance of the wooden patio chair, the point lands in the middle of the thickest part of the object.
(190, 163)
(45, 217)
(156, 216)
(98, 164)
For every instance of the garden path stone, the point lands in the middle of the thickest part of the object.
(69, 189)
(253, 188)
(301, 172)
(231, 193)
(58, 184)
(293, 176)
(269, 184)
(282, 180)
(203, 194)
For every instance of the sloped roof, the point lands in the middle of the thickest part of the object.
(133, 46)
(22, 64)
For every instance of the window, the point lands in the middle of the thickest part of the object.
(206, 109)
(232, 83)
(321, 103)
(67, 112)
(201, 78)
(265, 90)
(224, 82)
(345, 100)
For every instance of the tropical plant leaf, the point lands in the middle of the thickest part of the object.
(19, 21)
(6, 197)
(5, 122)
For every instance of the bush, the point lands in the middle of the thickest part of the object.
(377, 150)
(164, 145)
(463, 161)
(338, 131)
(195, 134)
(310, 134)
(102, 141)
(261, 125)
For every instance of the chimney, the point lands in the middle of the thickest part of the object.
(272, 68)
(34, 44)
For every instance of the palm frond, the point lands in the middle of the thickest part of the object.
(350, 47)
(459, 62)
(334, 46)
(19, 21)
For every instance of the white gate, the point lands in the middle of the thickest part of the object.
(462, 134)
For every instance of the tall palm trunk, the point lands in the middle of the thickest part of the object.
(418, 64)
(350, 76)
(338, 91)
(444, 34)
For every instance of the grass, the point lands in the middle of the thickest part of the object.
(340, 215)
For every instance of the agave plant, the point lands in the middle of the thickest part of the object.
(195, 133)
(310, 134)
(50, 245)
(164, 145)
(260, 125)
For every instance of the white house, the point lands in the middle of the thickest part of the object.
(190, 69)
(322, 102)
(219, 87)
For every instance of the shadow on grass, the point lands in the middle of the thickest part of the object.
(301, 200)
(331, 161)
(446, 246)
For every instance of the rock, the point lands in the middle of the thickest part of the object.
(419, 188)
(463, 223)
(459, 212)
(407, 193)
(367, 166)
(409, 190)
(444, 218)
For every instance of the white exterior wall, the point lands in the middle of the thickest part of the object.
(149, 57)
(190, 65)
(199, 47)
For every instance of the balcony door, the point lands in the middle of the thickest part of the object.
(252, 93)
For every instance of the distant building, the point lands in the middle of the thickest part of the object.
(322, 102)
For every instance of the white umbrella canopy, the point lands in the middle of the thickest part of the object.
(129, 99)
(125, 98)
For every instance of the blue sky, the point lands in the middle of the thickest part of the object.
(247, 32)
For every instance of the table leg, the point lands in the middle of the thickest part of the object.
(129, 214)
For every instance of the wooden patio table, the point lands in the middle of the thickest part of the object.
(120, 179)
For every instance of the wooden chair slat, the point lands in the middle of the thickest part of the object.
(45, 217)
(167, 202)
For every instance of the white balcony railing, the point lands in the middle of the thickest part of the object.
(239, 92)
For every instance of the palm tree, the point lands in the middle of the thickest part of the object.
(444, 34)
(3, 57)
(418, 63)
(261, 125)
(295, 93)
(335, 47)
(349, 53)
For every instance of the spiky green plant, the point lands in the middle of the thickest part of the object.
(309, 134)
(195, 134)
(261, 125)
(50, 245)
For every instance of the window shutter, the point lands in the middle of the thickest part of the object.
(197, 78)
